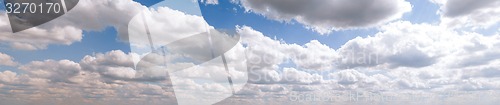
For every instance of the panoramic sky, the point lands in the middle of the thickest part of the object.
(384, 51)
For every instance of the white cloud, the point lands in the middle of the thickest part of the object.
(312, 56)
(403, 44)
(67, 29)
(294, 76)
(123, 72)
(38, 37)
(23, 81)
(262, 51)
(210, 1)
(423, 56)
(56, 71)
(6, 60)
(8, 77)
(263, 76)
(360, 80)
(271, 88)
(114, 64)
(266, 53)
(469, 13)
(402, 56)
(165, 25)
(303, 88)
(324, 16)
(56, 79)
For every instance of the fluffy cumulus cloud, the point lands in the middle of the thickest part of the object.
(55, 71)
(67, 29)
(165, 26)
(265, 52)
(113, 64)
(112, 76)
(37, 38)
(7, 60)
(421, 56)
(66, 81)
(401, 57)
(8, 77)
(403, 44)
(118, 65)
(469, 13)
(400, 45)
(265, 55)
(324, 16)
(359, 79)
(294, 76)
(211, 1)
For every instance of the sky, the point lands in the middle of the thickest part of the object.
(445, 51)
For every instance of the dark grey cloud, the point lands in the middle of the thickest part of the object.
(454, 8)
(325, 15)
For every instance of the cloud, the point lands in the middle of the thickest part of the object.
(264, 76)
(312, 56)
(210, 1)
(113, 65)
(66, 80)
(67, 29)
(402, 56)
(266, 53)
(271, 88)
(469, 13)
(403, 44)
(22, 81)
(408, 56)
(8, 77)
(324, 16)
(359, 79)
(55, 71)
(37, 38)
(303, 88)
(294, 76)
(165, 25)
(6, 60)
(116, 67)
